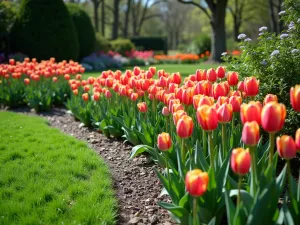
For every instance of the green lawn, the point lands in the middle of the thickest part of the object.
(47, 177)
(184, 69)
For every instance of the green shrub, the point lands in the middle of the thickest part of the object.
(84, 28)
(44, 29)
(274, 60)
(102, 44)
(122, 46)
(7, 16)
(202, 43)
(151, 43)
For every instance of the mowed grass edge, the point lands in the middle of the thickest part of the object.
(47, 177)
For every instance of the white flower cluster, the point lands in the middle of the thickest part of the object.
(241, 36)
(262, 29)
(275, 52)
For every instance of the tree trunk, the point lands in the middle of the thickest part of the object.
(219, 34)
(115, 27)
(103, 18)
(273, 18)
(96, 6)
(125, 33)
(236, 31)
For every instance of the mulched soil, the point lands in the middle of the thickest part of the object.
(136, 184)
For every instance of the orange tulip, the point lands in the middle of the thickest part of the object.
(236, 102)
(224, 113)
(177, 107)
(85, 97)
(172, 102)
(196, 99)
(177, 115)
(164, 141)
(250, 134)
(196, 182)
(295, 97)
(211, 75)
(297, 139)
(165, 111)
(207, 117)
(251, 112)
(251, 86)
(233, 78)
(240, 161)
(273, 116)
(220, 72)
(286, 147)
(185, 126)
(142, 107)
(26, 81)
(270, 98)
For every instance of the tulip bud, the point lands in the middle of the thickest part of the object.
(240, 161)
(142, 107)
(26, 81)
(251, 86)
(241, 86)
(286, 147)
(251, 112)
(270, 98)
(233, 78)
(196, 182)
(295, 97)
(220, 72)
(165, 111)
(297, 139)
(207, 117)
(224, 113)
(273, 117)
(185, 126)
(250, 134)
(85, 97)
(164, 141)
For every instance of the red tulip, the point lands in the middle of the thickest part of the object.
(211, 75)
(54, 79)
(233, 78)
(251, 112)
(165, 111)
(224, 113)
(200, 75)
(96, 96)
(196, 182)
(107, 94)
(134, 96)
(67, 77)
(187, 97)
(136, 70)
(270, 98)
(251, 86)
(297, 139)
(185, 126)
(295, 97)
(142, 107)
(241, 86)
(286, 147)
(85, 97)
(177, 115)
(250, 134)
(86, 88)
(205, 100)
(273, 117)
(220, 72)
(236, 102)
(207, 117)
(219, 90)
(26, 81)
(164, 141)
(240, 161)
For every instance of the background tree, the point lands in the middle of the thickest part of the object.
(216, 12)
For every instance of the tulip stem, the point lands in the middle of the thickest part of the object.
(239, 191)
(167, 167)
(253, 169)
(211, 150)
(204, 143)
(195, 210)
(182, 151)
(271, 149)
(289, 177)
(224, 139)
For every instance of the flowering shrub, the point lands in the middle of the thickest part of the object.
(178, 58)
(275, 60)
(205, 133)
(39, 85)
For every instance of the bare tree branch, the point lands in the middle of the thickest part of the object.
(198, 5)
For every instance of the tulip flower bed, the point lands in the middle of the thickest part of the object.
(205, 133)
(38, 85)
(48, 177)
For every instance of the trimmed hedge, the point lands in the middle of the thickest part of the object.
(122, 45)
(84, 29)
(151, 43)
(44, 29)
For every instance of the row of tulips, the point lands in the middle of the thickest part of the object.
(206, 135)
(39, 85)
